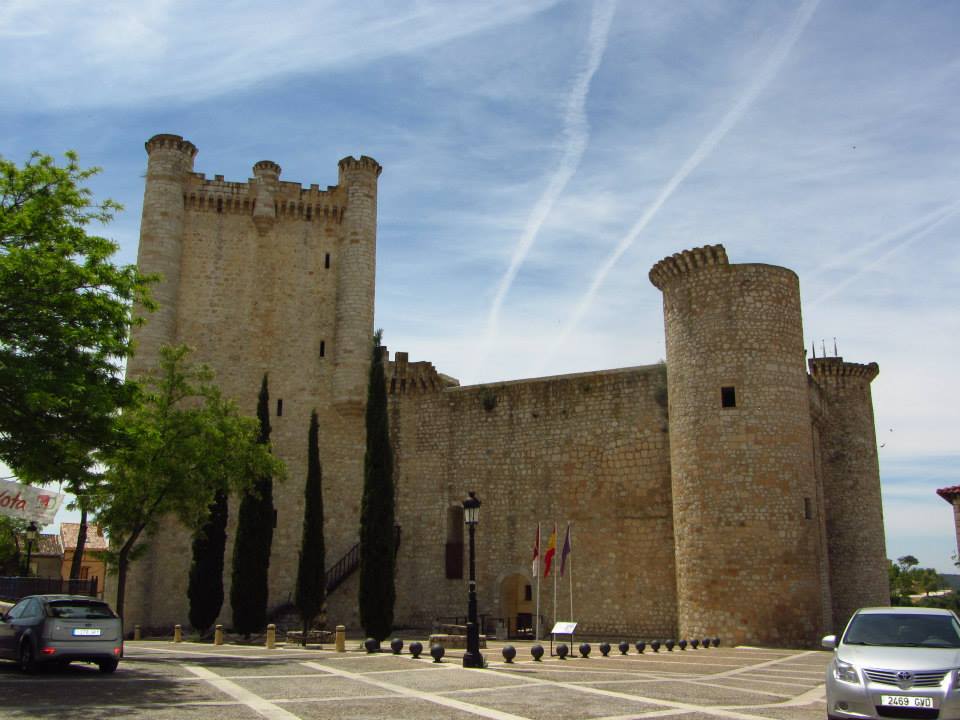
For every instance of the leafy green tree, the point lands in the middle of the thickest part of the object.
(180, 444)
(65, 317)
(311, 573)
(251, 551)
(10, 527)
(377, 591)
(205, 588)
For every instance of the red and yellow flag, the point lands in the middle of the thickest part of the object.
(549, 551)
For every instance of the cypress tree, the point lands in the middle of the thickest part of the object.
(311, 574)
(251, 551)
(377, 592)
(205, 589)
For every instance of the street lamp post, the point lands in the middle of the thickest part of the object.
(471, 516)
(31, 535)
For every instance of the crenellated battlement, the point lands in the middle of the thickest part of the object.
(170, 142)
(683, 262)
(835, 367)
(407, 378)
(365, 163)
(266, 168)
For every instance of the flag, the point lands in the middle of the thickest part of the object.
(536, 552)
(549, 551)
(567, 547)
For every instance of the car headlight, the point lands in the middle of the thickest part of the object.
(845, 672)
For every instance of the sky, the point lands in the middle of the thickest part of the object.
(540, 156)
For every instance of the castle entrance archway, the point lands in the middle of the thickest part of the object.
(517, 606)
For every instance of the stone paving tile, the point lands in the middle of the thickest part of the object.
(378, 710)
(240, 668)
(549, 702)
(321, 686)
(447, 680)
(363, 664)
(56, 690)
(813, 711)
(179, 712)
(786, 690)
(690, 693)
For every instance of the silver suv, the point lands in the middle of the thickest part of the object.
(895, 662)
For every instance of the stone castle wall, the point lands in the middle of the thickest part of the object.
(760, 522)
(262, 266)
(854, 511)
(744, 489)
(591, 449)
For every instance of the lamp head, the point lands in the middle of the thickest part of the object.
(471, 509)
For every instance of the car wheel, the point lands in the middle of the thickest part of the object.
(107, 666)
(28, 662)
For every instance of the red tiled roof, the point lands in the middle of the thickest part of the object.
(46, 544)
(949, 493)
(95, 538)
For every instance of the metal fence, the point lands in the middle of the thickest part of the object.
(14, 588)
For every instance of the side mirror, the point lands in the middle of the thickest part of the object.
(829, 642)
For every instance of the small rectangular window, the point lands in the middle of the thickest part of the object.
(807, 509)
(323, 348)
(728, 397)
(528, 592)
(274, 518)
(279, 407)
(326, 261)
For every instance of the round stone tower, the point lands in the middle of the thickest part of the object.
(744, 491)
(356, 270)
(170, 160)
(851, 487)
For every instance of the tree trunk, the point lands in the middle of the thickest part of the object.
(81, 542)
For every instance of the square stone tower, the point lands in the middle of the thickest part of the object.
(262, 277)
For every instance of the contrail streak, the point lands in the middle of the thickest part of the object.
(707, 146)
(577, 133)
(913, 235)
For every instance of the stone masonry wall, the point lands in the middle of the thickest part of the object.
(257, 293)
(590, 448)
(744, 489)
(851, 483)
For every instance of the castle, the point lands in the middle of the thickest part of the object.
(732, 492)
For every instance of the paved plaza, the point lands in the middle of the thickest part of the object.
(159, 679)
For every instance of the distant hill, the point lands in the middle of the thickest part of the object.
(952, 580)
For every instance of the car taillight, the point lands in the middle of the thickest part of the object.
(48, 650)
(116, 651)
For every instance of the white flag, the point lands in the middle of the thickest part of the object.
(28, 502)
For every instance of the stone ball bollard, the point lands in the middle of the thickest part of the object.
(437, 651)
(585, 650)
(372, 645)
(415, 649)
(562, 651)
(641, 646)
(669, 644)
(694, 643)
(655, 646)
(605, 649)
(716, 642)
(396, 645)
(624, 647)
(509, 653)
(705, 642)
(537, 652)
(682, 644)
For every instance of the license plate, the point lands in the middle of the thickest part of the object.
(86, 631)
(907, 701)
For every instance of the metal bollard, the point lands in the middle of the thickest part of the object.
(136, 632)
(341, 638)
(271, 636)
(218, 635)
(177, 634)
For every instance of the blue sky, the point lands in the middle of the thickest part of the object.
(540, 156)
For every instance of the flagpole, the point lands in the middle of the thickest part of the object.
(554, 578)
(570, 537)
(536, 618)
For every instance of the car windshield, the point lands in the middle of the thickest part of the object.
(80, 610)
(903, 630)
